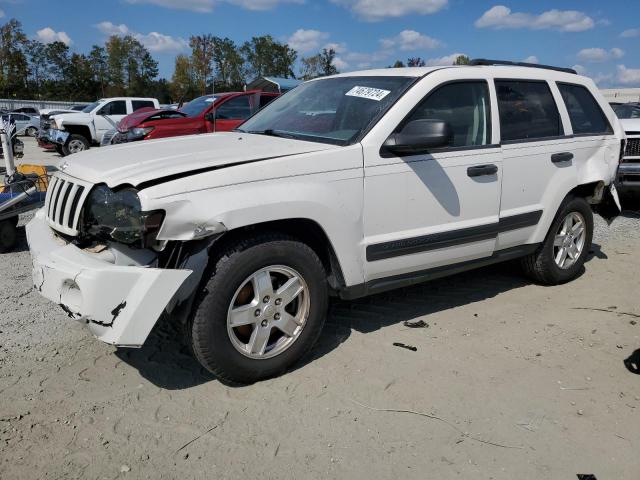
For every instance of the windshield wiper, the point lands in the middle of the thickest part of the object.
(269, 132)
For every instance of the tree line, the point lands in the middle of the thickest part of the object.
(122, 66)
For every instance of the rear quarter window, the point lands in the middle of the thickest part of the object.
(138, 104)
(587, 118)
(527, 111)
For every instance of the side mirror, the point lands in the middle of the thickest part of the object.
(419, 136)
(211, 116)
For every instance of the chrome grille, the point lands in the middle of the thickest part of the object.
(63, 203)
(633, 147)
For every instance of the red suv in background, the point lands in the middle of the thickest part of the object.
(221, 112)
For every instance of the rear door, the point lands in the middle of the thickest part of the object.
(537, 159)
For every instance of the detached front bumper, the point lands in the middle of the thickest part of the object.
(119, 304)
(57, 136)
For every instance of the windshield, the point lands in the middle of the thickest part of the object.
(89, 108)
(332, 110)
(625, 111)
(198, 105)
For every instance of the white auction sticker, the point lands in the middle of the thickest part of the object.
(376, 94)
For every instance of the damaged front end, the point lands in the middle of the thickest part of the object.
(95, 254)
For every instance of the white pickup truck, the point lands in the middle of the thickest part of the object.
(75, 132)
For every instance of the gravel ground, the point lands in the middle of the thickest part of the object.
(516, 381)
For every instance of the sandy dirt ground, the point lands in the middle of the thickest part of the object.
(510, 380)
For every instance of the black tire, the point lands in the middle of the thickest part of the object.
(209, 338)
(31, 131)
(8, 234)
(59, 149)
(69, 148)
(541, 265)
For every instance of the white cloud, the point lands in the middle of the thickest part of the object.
(628, 76)
(375, 10)
(531, 59)
(580, 69)
(409, 40)
(193, 5)
(441, 61)
(340, 64)
(154, 41)
(109, 28)
(261, 4)
(305, 41)
(500, 17)
(49, 35)
(601, 78)
(336, 47)
(205, 6)
(631, 33)
(158, 42)
(600, 54)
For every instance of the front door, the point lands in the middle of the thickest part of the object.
(435, 209)
(108, 117)
(230, 114)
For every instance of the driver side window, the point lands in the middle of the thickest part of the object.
(464, 106)
(118, 107)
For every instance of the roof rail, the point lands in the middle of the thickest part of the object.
(484, 61)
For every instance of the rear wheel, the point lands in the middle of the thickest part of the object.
(8, 234)
(562, 255)
(262, 309)
(31, 131)
(75, 144)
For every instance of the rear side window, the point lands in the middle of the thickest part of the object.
(527, 111)
(138, 104)
(464, 106)
(587, 118)
(237, 108)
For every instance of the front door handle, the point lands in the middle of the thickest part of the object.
(561, 157)
(481, 170)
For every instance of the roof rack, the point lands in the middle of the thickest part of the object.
(484, 61)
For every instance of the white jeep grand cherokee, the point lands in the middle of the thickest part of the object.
(349, 185)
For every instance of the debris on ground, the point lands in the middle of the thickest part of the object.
(415, 324)
(408, 347)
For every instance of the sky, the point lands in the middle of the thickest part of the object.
(599, 39)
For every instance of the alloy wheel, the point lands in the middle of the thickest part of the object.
(569, 240)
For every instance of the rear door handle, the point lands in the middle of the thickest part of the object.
(481, 170)
(561, 157)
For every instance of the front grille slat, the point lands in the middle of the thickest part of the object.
(64, 201)
(633, 147)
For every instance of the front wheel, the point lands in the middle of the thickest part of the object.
(31, 131)
(262, 309)
(75, 144)
(562, 255)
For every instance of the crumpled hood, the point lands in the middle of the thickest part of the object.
(138, 162)
(79, 118)
(139, 116)
(630, 124)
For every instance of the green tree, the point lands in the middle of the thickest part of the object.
(397, 64)
(182, 82)
(81, 83)
(462, 60)
(100, 65)
(130, 67)
(37, 64)
(415, 62)
(228, 63)
(266, 57)
(202, 53)
(13, 62)
(318, 65)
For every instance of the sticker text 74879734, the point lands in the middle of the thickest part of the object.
(371, 93)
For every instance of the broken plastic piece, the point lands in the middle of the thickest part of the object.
(408, 347)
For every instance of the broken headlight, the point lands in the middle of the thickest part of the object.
(117, 216)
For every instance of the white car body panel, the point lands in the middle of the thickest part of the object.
(211, 184)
